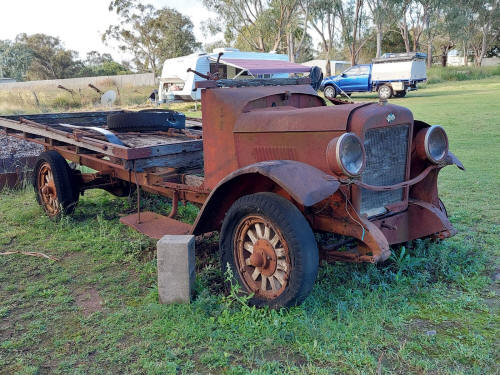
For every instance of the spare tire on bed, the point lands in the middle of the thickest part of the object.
(148, 120)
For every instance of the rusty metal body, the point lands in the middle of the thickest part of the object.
(252, 135)
(273, 139)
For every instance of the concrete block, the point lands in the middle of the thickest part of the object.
(176, 268)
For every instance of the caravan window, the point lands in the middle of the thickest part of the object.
(172, 86)
(222, 70)
(238, 71)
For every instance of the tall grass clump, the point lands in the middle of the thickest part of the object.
(437, 74)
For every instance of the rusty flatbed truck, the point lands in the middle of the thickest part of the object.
(272, 167)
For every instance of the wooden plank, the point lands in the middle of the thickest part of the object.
(148, 140)
(180, 160)
(191, 145)
(84, 142)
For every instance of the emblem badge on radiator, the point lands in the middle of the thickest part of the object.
(390, 117)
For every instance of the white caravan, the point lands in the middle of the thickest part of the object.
(177, 83)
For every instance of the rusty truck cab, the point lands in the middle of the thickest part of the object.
(282, 139)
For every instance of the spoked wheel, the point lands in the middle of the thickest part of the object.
(54, 187)
(47, 190)
(270, 248)
(262, 256)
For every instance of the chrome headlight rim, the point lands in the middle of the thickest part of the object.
(338, 165)
(427, 147)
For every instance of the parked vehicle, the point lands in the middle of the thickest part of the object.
(283, 178)
(177, 83)
(391, 75)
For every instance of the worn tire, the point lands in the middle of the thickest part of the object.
(385, 92)
(66, 191)
(330, 92)
(299, 238)
(150, 120)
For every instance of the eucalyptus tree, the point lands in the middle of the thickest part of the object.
(15, 60)
(151, 35)
(49, 58)
(382, 13)
(323, 14)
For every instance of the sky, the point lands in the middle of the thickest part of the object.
(80, 23)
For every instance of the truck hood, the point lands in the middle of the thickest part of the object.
(333, 78)
(292, 119)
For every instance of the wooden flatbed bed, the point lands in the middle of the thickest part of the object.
(169, 163)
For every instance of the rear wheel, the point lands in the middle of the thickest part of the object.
(271, 250)
(330, 92)
(53, 183)
(385, 92)
(400, 94)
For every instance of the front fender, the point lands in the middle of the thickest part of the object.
(306, 185)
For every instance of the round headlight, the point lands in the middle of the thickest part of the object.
(433, 141)
(346, 155)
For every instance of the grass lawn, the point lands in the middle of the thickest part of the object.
(433, 308)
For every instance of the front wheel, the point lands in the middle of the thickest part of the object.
(330, 92)
(271, 250)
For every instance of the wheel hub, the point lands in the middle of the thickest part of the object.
(264, 257)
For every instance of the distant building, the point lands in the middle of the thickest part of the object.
(336, 66)
(456, 58)
(7, 80)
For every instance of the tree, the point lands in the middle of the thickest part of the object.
(15, 60)
(323, 17)
(49, 58)
(382, 11)
(403, 7)
(101, 65)
(151, 35)
(351, 18)
(261, 25)
(488, 27)
(432, 19)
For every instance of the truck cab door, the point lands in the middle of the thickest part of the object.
(363, 78)
(356, 78)
(348, 78)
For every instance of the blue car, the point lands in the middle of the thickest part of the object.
(391, 75)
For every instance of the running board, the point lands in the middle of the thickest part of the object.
(154, 225)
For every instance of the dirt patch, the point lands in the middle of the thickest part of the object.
(89, 301)
(494, 302)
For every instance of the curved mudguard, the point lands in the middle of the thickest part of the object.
(306, 185)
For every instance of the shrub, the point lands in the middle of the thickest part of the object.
(66, 102)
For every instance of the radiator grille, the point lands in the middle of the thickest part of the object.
(386, 155)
